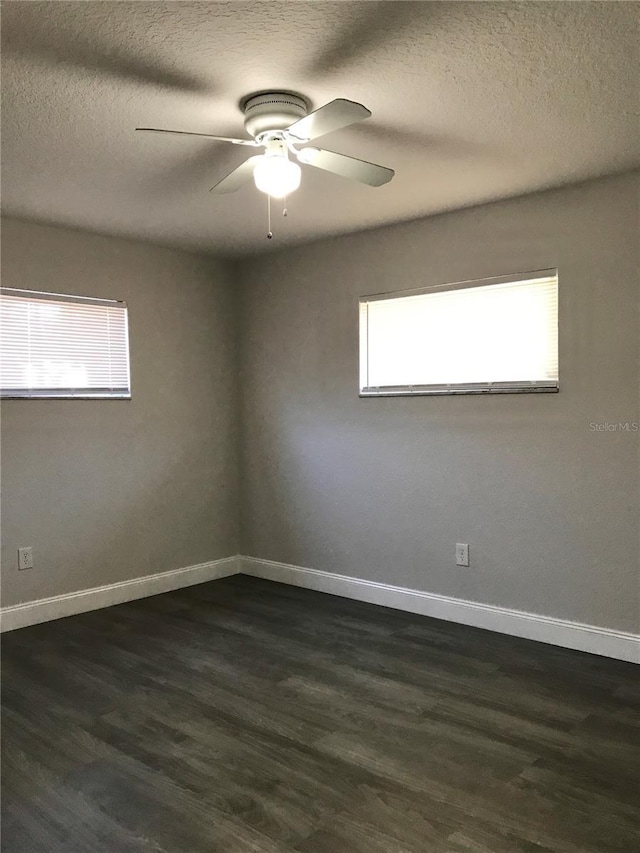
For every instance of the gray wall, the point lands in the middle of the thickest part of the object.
(383, 488)
(108, 490)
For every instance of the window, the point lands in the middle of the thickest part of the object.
(62, 346)
(494, 335)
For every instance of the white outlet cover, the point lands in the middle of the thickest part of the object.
(462, 554)
(25, 558)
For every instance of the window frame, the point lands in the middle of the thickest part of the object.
(68, 393)
(455, 389)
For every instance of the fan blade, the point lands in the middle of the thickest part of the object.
(348, 167)
(251, 142)
(332, 116)
(236, 179)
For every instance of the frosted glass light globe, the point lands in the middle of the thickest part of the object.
(277, 176)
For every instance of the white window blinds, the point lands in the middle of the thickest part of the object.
(494, 335)
(62, 346)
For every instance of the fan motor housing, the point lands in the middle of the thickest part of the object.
(272, 111)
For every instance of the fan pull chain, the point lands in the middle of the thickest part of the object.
(269, 232)
(284, 206)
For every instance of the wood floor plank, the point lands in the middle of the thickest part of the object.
(245, 716)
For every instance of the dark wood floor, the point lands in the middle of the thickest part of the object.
(245, 716)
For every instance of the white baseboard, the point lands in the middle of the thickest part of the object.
(45, 609)
(545, 629)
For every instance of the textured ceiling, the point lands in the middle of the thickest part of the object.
(471, 102)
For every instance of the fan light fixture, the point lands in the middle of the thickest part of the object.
(280, 123)
(276, 175)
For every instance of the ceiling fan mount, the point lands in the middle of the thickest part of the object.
(269, 111)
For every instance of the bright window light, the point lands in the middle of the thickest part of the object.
(495, 335)
(62, 346)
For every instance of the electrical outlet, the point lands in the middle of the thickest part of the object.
(462, 554)
(25, 558)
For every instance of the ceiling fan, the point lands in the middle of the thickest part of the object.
(279, 123)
